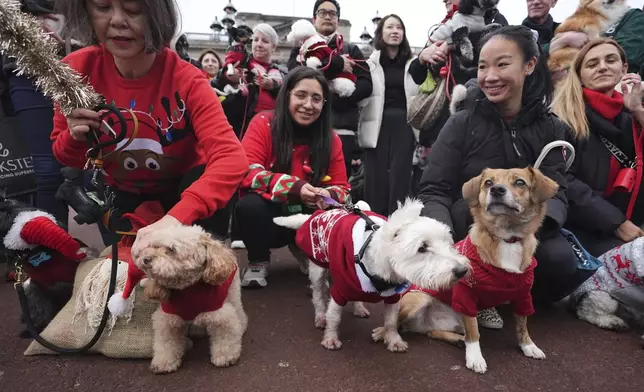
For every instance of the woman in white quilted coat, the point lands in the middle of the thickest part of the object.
(388, 141)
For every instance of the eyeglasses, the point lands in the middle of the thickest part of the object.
(300, 97)
(324, 13)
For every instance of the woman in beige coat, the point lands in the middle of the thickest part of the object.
(383, 132)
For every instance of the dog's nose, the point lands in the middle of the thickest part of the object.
(498, 190)
(147, 261)
(460, 271)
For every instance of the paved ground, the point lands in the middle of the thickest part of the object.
(282, 352)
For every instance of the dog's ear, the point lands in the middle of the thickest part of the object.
(543, 188)
(471, 190)
(221, 261)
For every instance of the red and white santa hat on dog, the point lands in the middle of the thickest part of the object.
(121, 303)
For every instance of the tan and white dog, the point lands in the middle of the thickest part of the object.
(508, 207)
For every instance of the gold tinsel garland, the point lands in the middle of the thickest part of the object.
(22, 37)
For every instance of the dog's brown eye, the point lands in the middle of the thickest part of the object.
(172, 250)
(488, 183)
(519, 183)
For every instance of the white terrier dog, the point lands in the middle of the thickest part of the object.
(372, 259)
(315, 53)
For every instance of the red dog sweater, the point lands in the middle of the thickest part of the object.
(331, 239)
(486, 286)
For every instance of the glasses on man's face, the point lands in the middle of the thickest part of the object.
(327, 13)
(301, 98)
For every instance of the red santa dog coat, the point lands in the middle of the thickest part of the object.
(486, 286)
(322, 52)
(331, 239)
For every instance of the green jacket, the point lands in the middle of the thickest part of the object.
(629, 33)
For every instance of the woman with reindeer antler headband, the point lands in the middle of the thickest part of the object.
(180, 149)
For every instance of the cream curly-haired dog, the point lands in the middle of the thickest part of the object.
(196, 278)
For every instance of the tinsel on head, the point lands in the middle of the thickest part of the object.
(22, 37)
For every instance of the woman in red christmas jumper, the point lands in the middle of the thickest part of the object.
(606, 202)
(295, 159)
(185, 153)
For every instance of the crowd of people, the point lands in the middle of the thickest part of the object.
(231, 162)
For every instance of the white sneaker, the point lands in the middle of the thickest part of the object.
(301, 258)
(489, 318)
(255, 275)
(238, 244)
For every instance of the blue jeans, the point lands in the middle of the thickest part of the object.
(35, 114)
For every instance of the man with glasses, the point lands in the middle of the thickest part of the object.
(326, 14)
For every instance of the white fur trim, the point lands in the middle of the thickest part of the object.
(459, 93)
(118, 305)
(13, 240)
(359, 235)
(142, 144)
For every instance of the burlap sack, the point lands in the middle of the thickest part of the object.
(131, 339)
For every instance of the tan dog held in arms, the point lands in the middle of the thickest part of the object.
(593, 17)
(196, 278)
(508, 207)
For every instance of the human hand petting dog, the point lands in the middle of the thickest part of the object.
(142, 241)
(574, 39)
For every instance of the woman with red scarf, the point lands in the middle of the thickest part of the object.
(602, 104)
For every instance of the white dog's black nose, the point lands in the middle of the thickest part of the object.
(498, 191)
(147, 261)
(460, 271)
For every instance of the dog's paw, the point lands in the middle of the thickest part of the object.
(331, 343)
(532, 351)
(163, 366)
(223, 360)
(474, 357)
(610, 322)
(320, 321)
(397, 346)
(476, 364)
(360, 310)
(378, 334)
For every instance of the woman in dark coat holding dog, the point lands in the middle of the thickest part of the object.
(505, 124)
(604, 184)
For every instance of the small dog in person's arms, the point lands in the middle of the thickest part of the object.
(372, 259)
(237, 56)
(470, 18)
(508, 207)
(315, 53)
(196, 279)
(592, 17)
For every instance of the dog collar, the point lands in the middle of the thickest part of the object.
(512, 240)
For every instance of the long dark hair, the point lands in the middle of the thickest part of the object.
(538, 85)
(404, 50)
(319, 132)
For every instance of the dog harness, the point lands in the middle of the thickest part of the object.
(199, 298)
(330, 239)
(487, 286)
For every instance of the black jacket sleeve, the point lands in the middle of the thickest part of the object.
(441, 175)
(554, 166)
(292, 59)
(418, 71)
(588, 209)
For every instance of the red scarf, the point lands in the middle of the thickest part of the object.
(265, 101)
(450, 13)
(607, 107)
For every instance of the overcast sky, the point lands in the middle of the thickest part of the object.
(418, 15)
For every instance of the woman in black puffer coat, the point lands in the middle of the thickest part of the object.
(505, 123)
(588, 102)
